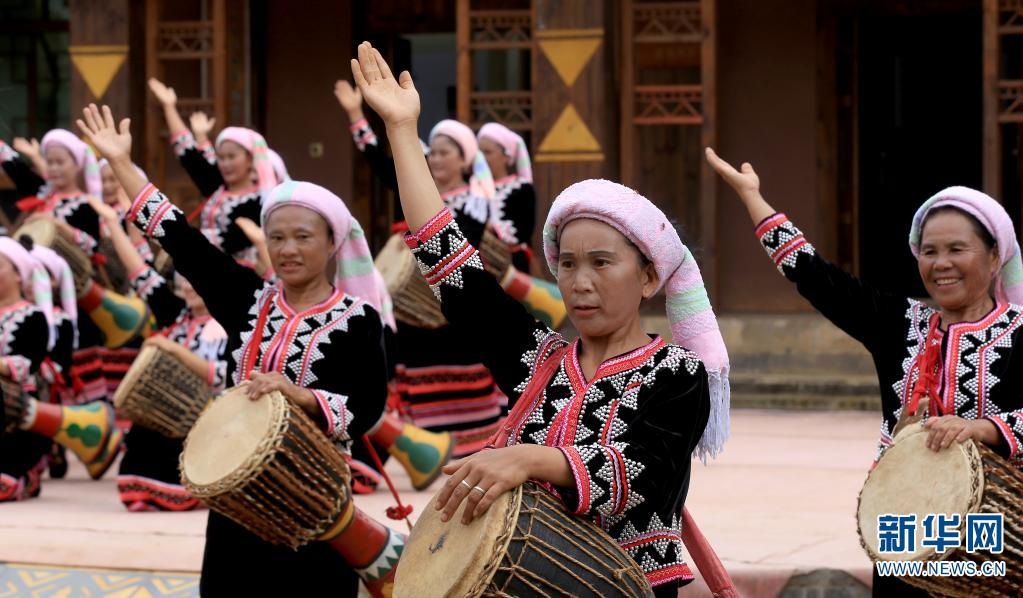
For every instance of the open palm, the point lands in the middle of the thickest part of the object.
(111, 141)
(165, 95)
(349, 97)
(395, 100)
(743, 181)
(201, 124)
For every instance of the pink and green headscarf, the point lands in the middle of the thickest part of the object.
(514, 147)
(690, 315)
(82, 154)
(34, 281)
(481, 182)
(993, 217)
(356, 274)
(253, 143)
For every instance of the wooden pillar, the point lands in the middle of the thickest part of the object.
(574, 101)
(992, 147)
(99, 55)
(463, 106)
(708, 138)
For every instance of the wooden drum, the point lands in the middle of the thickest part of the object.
(414, 301)
(161, 393)
(45, 232)
(266, 465)
(495, 253)
(911, 479)
(525, 545)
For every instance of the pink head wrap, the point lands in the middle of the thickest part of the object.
(60, 272)
(356, 274)
(82, 154)
(514, 148)
(280, 170)
(481, 181)
(253, 143)
(690, 315)
(33, 278)
(993, 217)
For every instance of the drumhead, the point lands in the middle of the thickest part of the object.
(911, 479)
(228, 435)
(395, 263)
(146, 356)
(449, 559)
(42, 231)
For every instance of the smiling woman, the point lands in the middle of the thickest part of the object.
(315, 336)
(969, 261)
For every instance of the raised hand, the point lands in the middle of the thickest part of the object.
(28, 148)
(349, 97)
(745, 182)
(110, 141)
(165, 95)
(201, 124)
(395, 100)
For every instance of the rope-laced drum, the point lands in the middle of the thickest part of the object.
(911, 479)
(266, 465)
(526, 544)
(414, 301)
(162, 394)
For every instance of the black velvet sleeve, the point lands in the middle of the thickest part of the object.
(350, 381)
(205, 175)
(863, 312)
(511, 341)
(156, 291)
(228, 288)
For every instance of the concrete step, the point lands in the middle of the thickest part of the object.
(805, 391)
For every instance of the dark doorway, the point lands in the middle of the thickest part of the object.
(919, 125)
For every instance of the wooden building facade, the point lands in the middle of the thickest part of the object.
(852, 111)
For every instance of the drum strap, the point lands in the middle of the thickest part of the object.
(529, 398)
(257, 339)
(929, 379)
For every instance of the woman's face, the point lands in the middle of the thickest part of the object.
(234, 162)
(957, 268)
(601, 277)
(111, 186)
(184, 290)
(299, 244)
(10, 279)
(497, 160)
(61, 169)
(445, 161)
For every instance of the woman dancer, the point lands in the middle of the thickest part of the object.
(969, 261)
(226, 184)
(513, 211)
(304, 336)
(614, 415)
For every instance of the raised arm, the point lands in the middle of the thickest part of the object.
(859, 309)
(397, 102)
(29, 148)
(205, 175)
(227, 287)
